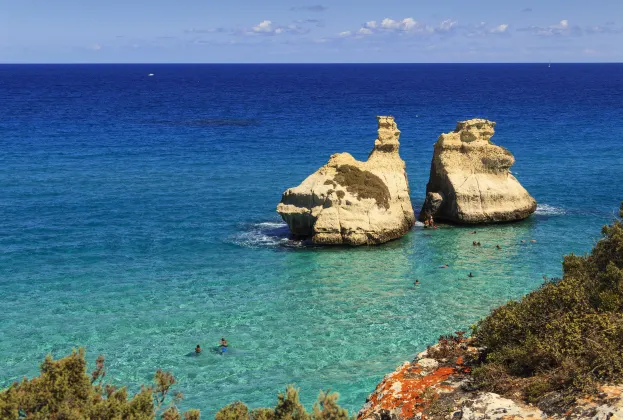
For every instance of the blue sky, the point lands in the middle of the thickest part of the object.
(277, 31)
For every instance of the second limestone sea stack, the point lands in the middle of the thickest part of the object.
(352, 202)
(470, 179)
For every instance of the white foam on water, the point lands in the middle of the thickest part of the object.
(266, 235)
(548, 210)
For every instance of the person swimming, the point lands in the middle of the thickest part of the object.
(417, 282)
(197, 349)
(470, 275)
(478, 243)
(223, 345)
(474, 243)
(443, 266)
(498, 247)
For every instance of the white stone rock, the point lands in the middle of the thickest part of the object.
(470, 179)
(352, 202)
(494, 407)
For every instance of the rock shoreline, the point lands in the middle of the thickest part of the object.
(437, 385)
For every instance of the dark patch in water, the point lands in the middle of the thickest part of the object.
(209, 122)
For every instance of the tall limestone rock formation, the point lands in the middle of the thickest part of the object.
(351, 202)
(470, 179)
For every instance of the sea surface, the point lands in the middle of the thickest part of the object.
(137, 216)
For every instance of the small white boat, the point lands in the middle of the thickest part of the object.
(150, 74)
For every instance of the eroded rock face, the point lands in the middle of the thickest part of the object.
(470, 179)
(352, 202)
(437, 385)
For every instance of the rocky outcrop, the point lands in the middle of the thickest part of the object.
(470, 179)
(436, 385)
(352, 202)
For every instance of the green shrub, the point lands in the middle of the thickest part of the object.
(363, 184)
(288, 407)
(64, 390)
(566, 336)
(234, 411)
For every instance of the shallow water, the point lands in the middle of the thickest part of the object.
(137, 216)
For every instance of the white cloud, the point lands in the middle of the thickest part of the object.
(264, 26)
(407, 24)
(267, 27)
(500, 29)
(447, 25)
(563, 28)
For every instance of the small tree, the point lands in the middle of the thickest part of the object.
(64, 390)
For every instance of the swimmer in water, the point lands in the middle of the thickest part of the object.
(474, 232)
(478, 243)
(417, 282)
(443, 266)
(474, 243)
(498, 247)
(223, 344)
(197, 349)
(470, 275)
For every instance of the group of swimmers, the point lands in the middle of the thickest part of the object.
(430, 222)
(222, 346)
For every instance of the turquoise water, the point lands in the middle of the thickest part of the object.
(137, 216)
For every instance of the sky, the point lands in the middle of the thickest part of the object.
(316, 31)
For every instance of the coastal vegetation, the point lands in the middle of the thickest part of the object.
(363, 184)
(288, 408)
(66, 390)
(563, 339)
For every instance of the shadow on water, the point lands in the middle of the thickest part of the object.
(208, 122)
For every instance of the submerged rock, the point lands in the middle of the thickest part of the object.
(352, 202)
(470, 179)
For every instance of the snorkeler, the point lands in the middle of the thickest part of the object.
(197, 349)
(223, 345)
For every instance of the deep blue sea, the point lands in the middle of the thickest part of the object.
(137, 216)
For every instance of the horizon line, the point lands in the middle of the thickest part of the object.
(306, 63)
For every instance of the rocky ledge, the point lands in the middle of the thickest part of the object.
(470, 179)
(437, 385)
(351, 202)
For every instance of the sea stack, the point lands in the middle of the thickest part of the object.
(470, 179)
(351, 202)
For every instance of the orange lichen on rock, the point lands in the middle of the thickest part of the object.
(409, 390)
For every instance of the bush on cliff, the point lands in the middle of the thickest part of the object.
(64, 390)
(565, 336)
(288, 408)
